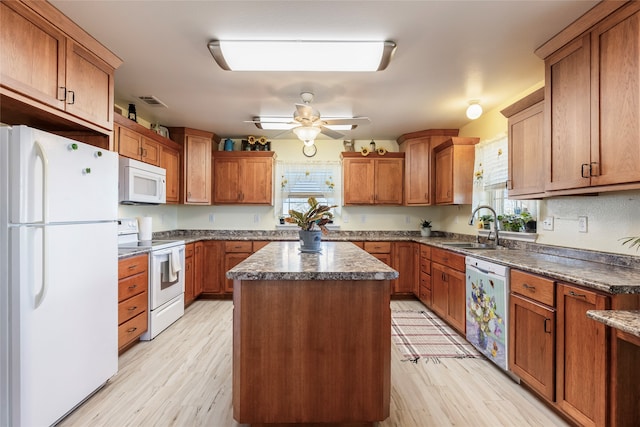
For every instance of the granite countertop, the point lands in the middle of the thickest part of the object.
(129, 252)
(625, 320)
(336, 261)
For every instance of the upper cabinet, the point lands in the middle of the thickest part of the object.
(526, 146)
(196, 165)
(453, 162)
(373, 179)
(241, 177)
(418, 178)
(72, 83)
(592, 102)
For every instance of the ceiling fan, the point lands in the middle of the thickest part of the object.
(307, 121)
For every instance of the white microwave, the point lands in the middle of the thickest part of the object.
(141, 183)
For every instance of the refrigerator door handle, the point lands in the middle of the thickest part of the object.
(45, 177)
(40, 296)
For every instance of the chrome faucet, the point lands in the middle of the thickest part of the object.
(495, 220)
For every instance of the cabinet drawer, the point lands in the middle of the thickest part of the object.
(238, 246)
(132, 286)
(425, 251)
(425, 280)
(132, 329)
(448, 258)
(425, 296)
(188, 250)
(425, 265)
(134, 265)
(132, 307)
(377, 247)
(534, 287)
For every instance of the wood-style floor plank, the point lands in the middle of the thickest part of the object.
(183, 378)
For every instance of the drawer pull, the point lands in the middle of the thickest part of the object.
(573, 294)
(529, 287)
(133, 286)
(131, 267)
(133, 308)
(132, 329)
(547, 330)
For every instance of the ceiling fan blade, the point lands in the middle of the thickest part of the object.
(347, 121)
(330, 132)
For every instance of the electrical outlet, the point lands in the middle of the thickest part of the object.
(363, 218)
(547, 224)
(212, 218)
(407, 219)
(345, 218)
(256, 218)
(582, 224)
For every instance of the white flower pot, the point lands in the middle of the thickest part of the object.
(425, 232)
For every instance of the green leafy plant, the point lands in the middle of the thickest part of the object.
(631, 241)
(425, 223)
(317, 216)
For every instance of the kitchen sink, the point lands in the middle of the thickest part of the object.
(470, 245)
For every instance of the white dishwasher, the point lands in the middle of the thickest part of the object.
(487, 305)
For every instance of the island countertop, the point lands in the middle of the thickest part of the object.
(336, 261)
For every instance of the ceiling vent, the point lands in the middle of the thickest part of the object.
(152, 101)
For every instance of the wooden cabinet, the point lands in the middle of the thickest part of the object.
(582, 356)
(424, 286)
(405, 255)
(196, 164)
(133, 281)
(448, 287)
(526, 146)
(74, 75)
(134, 145)
(243, 178)
(532, 336)
(189, 277)
(198, 268)
(170, 161)
(591, 110)
(212, 267)
(454, 171)
(372, 180)
(234, 253)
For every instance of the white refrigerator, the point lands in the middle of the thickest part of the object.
(58, 274)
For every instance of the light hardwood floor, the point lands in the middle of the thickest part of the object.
(183, 378)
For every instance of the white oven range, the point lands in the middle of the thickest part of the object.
(166, 276)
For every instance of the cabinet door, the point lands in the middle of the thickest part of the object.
(444, 175)
(227, 182)
(532, 344)
(129, 143)
(526, 151)
(232, 259)
(170, 161)
(615, 122)
(439, 290)
(358, 181)
(90, 86)
(567, 99)
(197, 173)
(582, 356)
(404, 261)
(27, 39)
(198, 268)
(189, 294)
(257, 181)
(212, 274)
(456, 312)
(388, 181)
(150, 151)
(417, 181)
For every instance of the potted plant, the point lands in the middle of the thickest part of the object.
(486, 221)
(312, 224)
(425, 228)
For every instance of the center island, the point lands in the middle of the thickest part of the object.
(311, 336)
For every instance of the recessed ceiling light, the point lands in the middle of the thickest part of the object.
(301, 55)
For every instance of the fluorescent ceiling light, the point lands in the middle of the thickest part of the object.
(301, 55)
(285, 123)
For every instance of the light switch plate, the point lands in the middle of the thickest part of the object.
(582, 224)
(547, 224)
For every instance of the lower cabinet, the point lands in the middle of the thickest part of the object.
(234, 253)
(133, 280)
(424, 284)
(404, 260)
(212, 263)
(189, 291)
(448, 287)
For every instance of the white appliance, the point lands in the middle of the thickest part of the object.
(141, 183)
(166, 276)
(59, 274)
(487, 304)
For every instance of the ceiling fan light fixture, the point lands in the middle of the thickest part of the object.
(474, 110)
(284, 123)
(306, 134)
(301, 55)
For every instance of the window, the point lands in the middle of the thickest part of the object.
(299, 181)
